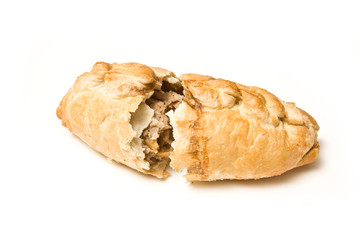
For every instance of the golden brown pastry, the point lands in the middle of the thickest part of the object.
(210, 129)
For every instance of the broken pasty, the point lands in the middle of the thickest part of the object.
(211, 129)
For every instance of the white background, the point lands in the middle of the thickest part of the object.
(53, 186)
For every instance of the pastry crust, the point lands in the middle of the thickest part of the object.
(225, 130)
(98, 109)
(222, 129)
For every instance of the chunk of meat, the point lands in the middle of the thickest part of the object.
(157, 137)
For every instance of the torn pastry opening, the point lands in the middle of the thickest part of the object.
(157, 136)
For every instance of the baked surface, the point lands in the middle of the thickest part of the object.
(98, 108)
(225, 130)
(222, 129)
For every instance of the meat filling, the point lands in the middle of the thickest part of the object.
(157, 137)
